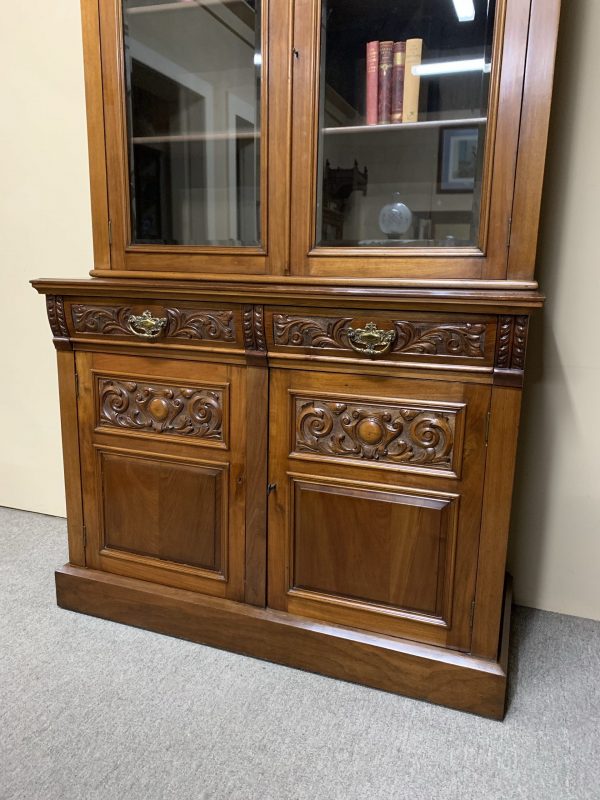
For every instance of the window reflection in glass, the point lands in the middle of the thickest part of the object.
(193, 104)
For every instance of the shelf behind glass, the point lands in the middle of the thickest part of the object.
(403, 126)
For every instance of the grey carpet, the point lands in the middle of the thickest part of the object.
(91, 709)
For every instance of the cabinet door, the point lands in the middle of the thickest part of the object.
(374, 521)
(410, 112)
(190, 136)
(163, 470)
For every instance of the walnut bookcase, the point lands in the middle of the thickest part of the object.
(280, 438)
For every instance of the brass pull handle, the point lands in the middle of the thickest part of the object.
(146, 326)
(370, 340)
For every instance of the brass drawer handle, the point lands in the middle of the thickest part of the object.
(146, 326)
(370, 340)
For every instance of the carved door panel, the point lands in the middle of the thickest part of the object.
(163, 470)
(374, 520)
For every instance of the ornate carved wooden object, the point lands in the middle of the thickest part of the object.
(158, 408)
(387, 433)
(511, 349)
(55, 308)
(254, 361)
(410, 338)
(181, 323)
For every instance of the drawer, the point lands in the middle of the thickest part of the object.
(392, 336)
(146, 321)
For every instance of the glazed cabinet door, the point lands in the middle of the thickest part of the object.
(409, 112)
(375, 511)
(195, 154)
(163, 470)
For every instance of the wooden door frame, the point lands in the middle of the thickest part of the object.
(105, 93)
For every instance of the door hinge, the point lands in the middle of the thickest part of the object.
(110, 231)
(509, 232)
(76, 384)
(84, 534)
(488, 418)
(271, 488)
(472, 614)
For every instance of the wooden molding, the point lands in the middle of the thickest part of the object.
(383, 662)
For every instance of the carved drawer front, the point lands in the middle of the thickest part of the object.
(198, 414)
(150, 321)
(409, 337)
(405, 435)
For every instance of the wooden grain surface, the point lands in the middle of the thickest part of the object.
(394, 665)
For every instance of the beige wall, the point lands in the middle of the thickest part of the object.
(45, 231)
(555, 548)
(45, 222)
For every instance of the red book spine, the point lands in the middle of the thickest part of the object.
(399, 60)
(372, 82)
(385, 82)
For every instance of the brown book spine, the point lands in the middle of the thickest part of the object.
(385, 82)
(399, 58)
(412, 82)
(372, 83)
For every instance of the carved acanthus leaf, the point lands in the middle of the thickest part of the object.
(412, 338)
(512, 342)
(191, 324)
(55, 307)
(183, 323)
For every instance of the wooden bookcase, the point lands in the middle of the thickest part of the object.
(290, 430)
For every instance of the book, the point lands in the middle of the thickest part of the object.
(399, 57)
(412, 82)
(385, 82)
(372, 83)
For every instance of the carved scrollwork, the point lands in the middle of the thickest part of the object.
(112, 321)
(461, 339)
(376, 432)
(159, 408)
(181, 323)
(190, 324)
(304, 332)
(465, 339)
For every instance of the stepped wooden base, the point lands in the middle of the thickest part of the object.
(394, 665)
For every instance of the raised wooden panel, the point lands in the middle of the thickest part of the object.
(164, 510)
(424, 339)
(382, 548)
(161, 408)
(401, 434)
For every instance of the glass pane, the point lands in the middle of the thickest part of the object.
(193, 102)
(403, 113)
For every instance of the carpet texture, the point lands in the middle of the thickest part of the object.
(91, 709)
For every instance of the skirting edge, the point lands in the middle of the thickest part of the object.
(395, 665)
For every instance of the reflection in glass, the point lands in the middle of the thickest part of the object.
(193, 102)
(404, 94)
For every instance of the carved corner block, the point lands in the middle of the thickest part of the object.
(55, 307)
(511, 348)
(255, 342)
